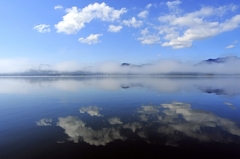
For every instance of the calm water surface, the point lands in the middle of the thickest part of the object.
(119, 117)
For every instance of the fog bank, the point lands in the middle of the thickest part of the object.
(230, 66)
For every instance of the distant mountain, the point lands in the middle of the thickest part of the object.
(125, 64)
(220, 60)
(132, 65)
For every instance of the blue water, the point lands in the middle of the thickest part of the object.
(119, 117)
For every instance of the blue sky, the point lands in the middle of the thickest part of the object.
(87, 32)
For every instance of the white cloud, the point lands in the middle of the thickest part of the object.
(173, 5)
(44, 122)
(144, 31)
(76, 130)
(133, 23)
(114, 121)
(58, 7)
(230, 46)
(91, 110)
(114, 28)
(91, 39)
(75, 19)
(143, 14)
(182, 31)
(42, 28)
(149, 6)
(147, 38)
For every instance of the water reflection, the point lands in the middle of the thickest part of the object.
(91, 110)
(168, 124)
(230, 105)
(116, 112)
(44, 122)
(114, 121)
(218, 85)
(76, 130)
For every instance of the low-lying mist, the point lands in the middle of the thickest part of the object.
(230, 66)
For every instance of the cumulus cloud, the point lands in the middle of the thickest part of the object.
(76, 130)
(76, 18)
(91, 39)
(91, 110)
(58, 7)
(173, 5)
(114, 121)
(133, 22)
(149, 6)
(149, 39)
(42, 28)
(114, 28)
(143, 14)
(180, 31)
(44, 122)
(177, 28)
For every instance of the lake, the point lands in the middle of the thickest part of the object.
(119, 117)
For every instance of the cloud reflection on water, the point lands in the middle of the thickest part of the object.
(114, 121)
(44, 122)
(91, 110)
(76, 130)
(173, 122)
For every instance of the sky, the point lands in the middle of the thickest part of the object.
(70, 34)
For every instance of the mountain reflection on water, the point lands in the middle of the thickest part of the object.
(119, 117)
(217, 85)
